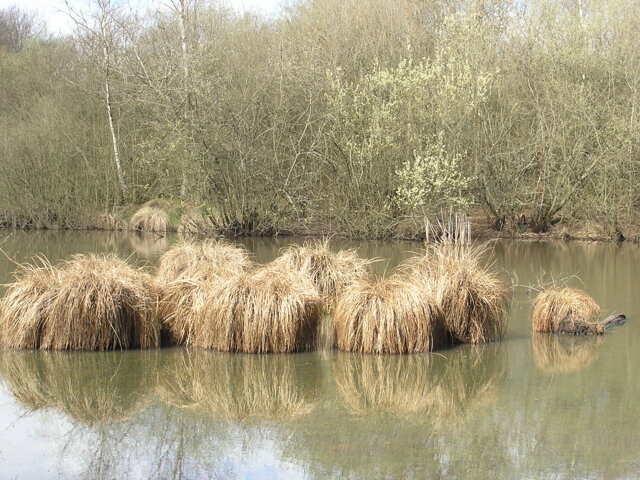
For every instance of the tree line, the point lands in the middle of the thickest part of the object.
(362, 117)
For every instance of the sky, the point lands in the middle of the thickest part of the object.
(53, 11)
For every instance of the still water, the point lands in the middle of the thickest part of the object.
(556, 408)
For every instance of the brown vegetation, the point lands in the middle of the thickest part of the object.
(387, 316)
(330, 272)
(150, 219)
(556, 309)
(87, 303)
(268, 310)
(472, 298)
(235, 386)
(187, 272)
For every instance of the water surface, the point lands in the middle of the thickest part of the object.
(550, 408)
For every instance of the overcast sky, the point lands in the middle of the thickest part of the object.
(53, 11)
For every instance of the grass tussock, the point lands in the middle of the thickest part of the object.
(268, 310)
(26, 301)
(564, 354)
(330, 272)
(194, 222)
(189, 259)
(471, 296)
(441, 390)
(387, 316)
(554, 308)
(236, 387)
(90, 302)
(187, 273)
(150, 219)
(91, 388)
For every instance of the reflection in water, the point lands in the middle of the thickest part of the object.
(91, 388)
(148, 245)
(441, 390)
(236, 386)
(564, 353)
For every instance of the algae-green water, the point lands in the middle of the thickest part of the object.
(524, 408)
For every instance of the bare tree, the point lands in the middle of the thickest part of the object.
(102, 28)
(16, 27)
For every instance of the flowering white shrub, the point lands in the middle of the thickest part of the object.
(431, 180)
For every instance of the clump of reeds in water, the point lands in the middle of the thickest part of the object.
(90, 302)
(330, 272)
(564, 354)
(236, 387)
(429, 388)
(471, 296)
(187, 273)
(91, 388)
(389, 315)
(150, 219)
(271, 309)
(556, 309)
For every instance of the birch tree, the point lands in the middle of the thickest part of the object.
(102, 29)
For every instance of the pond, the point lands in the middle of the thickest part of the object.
(555, 408)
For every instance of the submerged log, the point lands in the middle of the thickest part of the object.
(580, 327)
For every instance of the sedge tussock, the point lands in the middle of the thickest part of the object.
(236, 387)
(187, 272)
(556, 309)
(22, 309)
(90, 302)
(330, 272)
(268, 310)
(91, 388)
(564, 354)
(471, 296)
(387, 316)
(189, 259)
(193, 222)
(150, 219)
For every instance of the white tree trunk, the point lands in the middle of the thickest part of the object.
(182, 20)
(114, 138)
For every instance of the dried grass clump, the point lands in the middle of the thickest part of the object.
(558, 308)
(387, 316)
(88, 303)
(26, 301)
(193, 222)
(91, 388)
(202, 260)
(330, 272)
(564, 354)
(436, 390)
(109, 222)
(236, 387)
(187, 273)
(268, 310)
(472, 298)
(150, 219)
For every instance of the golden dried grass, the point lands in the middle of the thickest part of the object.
(471, 296)
(150, 219)
(187, 273)
(236, 386)
(91, 388)
(268, 310)
(330, 272)
(90, 302)
(193, 222)
(554, 354)
(554, 307)
(189, 259)
(387, 316)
